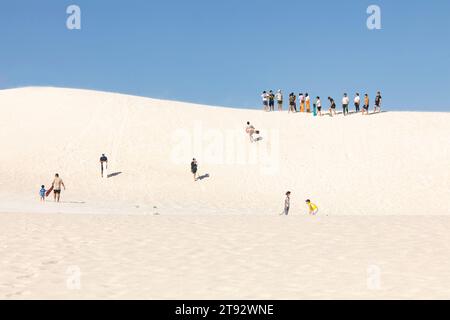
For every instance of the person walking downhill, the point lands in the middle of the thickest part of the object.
(377, 103)
(279, 97)
(287, 204)
(271, 101)
(332, 109)
(357, 101)
(365, 110)
(345, 103)
(194, 168)
(308, 103)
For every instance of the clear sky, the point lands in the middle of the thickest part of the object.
(226, 52)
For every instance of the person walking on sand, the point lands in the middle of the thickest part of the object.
(319, 106)
(56, 185)
(365, 110)
(377, 107)
(357, 101)
(345, 103)
(312, 208)
(42, 193)
(279, 97)
(332, 106)
(103, 163)
(265, 100)
(287, 204)
(308, 102)
(194, 168)
(315, 107)
(271, 101)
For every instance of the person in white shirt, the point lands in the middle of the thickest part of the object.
(301, 101)
(345, 103)
(279, 97)
(308, 102)
(319, 106)
(265, 99)
(357, 101)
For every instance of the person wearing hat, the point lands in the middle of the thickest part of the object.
(194, 168)
(279, 97)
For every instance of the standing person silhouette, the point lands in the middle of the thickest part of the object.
(194, 168)
(103, 163)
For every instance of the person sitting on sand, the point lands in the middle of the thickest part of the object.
(42, 193)
(56, 184)
(194, 168)
(332, 106)
(250, 129)
(312, 208)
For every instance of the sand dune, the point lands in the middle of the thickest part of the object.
(389, 163)
(149, 231)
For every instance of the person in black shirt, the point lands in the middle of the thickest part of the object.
(332, 106)
(194, 168)
(103, 163)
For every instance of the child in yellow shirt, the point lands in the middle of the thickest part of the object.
(312, 207)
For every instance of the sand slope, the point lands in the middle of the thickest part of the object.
(389, 163)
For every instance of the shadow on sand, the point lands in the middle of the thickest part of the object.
(205, 176)
(115, 174)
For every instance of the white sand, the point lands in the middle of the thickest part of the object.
(381, 182)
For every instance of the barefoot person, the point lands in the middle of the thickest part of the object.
(250, 129)
(332, 109)
(319, 106)
(377, 103)
(312, 208)
(42, 193)
(357, 101)
(365, 110)
(279, 97)
(308, 102)
(194, 168)
(103, 163)
(345, 103)
(57, 184)
(287, 203)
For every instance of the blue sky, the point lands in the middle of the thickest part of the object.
(227, 52)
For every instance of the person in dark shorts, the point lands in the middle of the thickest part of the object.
(56, 184)
(377, 102)
(365, 110)
(332, 109)
(194, 168)
(103, 163)
(271, 101)
(319, 106)
(357, 101)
